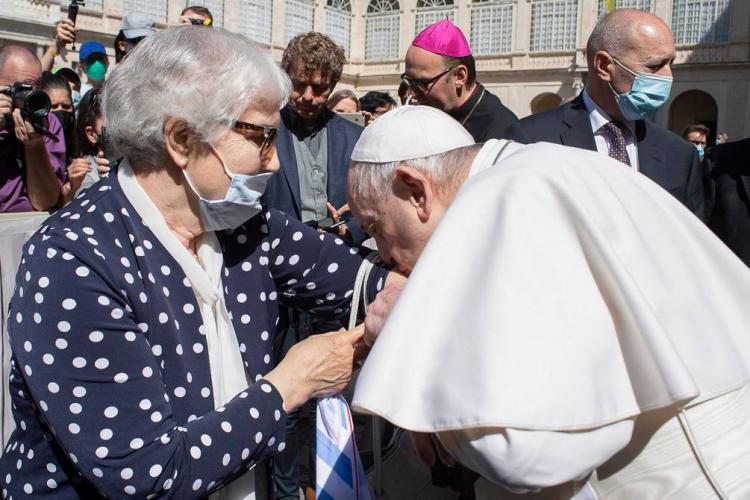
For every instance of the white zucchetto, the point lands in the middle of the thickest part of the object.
(410, 132)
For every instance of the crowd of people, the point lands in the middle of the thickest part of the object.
(551, 309)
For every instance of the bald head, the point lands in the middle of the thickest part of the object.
(18, 64)
(624, 30)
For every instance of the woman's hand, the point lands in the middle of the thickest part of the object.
(318, 366)
(77, 170)
(102, 164)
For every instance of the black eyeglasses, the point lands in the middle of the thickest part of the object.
(263, 137)
(423, 85)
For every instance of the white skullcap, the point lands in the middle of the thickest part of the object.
(410, 132)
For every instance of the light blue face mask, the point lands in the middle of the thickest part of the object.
(76, 98)
(701, 151)
(241, 202)
(648, 93)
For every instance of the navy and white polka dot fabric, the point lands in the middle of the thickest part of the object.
(110, 381)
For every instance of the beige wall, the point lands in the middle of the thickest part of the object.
(517, 78)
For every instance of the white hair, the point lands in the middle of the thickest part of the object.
(371, 182)
(205, 77)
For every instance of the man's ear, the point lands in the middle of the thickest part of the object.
(460, 76)
(414, 186)
(177, 140)
(602, 65)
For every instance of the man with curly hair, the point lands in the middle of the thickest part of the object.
(314, 147)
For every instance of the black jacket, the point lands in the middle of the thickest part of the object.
(485, 117)
(730, 175)
(663, 156)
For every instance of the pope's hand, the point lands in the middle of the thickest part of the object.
(380, 309)
(429, 449)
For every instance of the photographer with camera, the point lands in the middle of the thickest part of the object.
(32, 143)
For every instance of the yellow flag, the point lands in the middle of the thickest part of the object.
(610, 5)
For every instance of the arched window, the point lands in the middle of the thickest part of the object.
(255, 19)
(339, 22)
(157, 9)
(627, 4)
(215, 6)
(431, 11)
(700, 21)
(383, 30)
(553, 25)
(545, 102)
(491, 26)
(298, 18)
(694, 106)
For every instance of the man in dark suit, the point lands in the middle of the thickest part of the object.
(441, 72)
(730, 217)
(314, 147)
(314, 144)
(629, 53)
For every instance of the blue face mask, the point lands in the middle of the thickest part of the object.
(647, 94)
(701, 152)
(241, 202)
(76, 98)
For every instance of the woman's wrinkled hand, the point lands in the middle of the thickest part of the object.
(318, 366)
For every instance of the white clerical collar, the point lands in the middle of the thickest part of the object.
(491, 152)
(598, 116)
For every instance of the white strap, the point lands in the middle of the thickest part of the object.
(360, 287)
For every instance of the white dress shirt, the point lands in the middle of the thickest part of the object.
(599, 118)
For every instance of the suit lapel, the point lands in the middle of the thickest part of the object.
(651, 159)
(287, 158)
(576, 127)
(334, 158)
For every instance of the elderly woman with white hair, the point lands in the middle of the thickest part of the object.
(141, 348)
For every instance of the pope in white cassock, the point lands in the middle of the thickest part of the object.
(569, 330)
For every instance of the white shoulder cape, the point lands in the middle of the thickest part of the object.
(562, 291)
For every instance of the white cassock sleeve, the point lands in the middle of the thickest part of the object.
(526, 461)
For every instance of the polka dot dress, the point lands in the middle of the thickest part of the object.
(110, 381)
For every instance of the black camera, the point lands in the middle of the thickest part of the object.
(34, 104)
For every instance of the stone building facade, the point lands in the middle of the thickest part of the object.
(531, 53)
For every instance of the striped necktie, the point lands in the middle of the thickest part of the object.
(616, 140)
(338, 468)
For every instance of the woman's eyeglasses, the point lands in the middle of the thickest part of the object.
(263, 137)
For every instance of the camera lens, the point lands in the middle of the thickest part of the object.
(36, 104)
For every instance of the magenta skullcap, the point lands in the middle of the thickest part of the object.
(443, 38)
